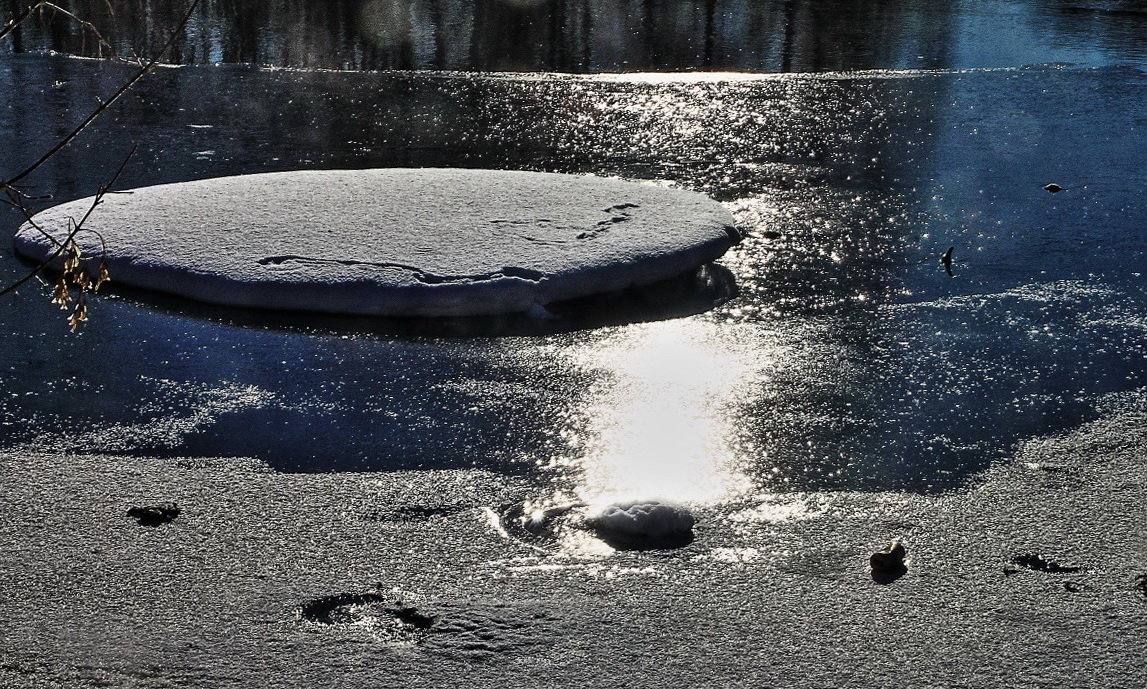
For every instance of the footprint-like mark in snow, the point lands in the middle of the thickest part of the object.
(412, 513)
(387, 620)
(1039, 563)
(617, 214)
(470, 631)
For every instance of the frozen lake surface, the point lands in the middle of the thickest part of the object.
(850, 359)
(366, 500)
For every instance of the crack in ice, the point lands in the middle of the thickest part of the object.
(418, 274)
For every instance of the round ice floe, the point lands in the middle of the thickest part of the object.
(650, 524)
(399, 242)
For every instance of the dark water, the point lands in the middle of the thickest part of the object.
(604, 35)
(848, 360)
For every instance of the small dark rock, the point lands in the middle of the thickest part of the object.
(1052, 188)
(1072, 586)
(154, 515)
(1141, 583)
(891, 557)
(888, 564)
(771, 235)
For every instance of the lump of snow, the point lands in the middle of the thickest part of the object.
(394, 242)
(644, 525)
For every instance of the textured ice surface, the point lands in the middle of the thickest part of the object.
(400, 242)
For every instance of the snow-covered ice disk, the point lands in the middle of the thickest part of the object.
(395, 242)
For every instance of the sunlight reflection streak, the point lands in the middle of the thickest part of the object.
(662, 429)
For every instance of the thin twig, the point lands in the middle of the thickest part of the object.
(7, 184)
(18, 20)
(31, 220)
(76, 228)
(44, 4)
(15, 195)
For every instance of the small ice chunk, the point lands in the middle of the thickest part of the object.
(644, 524)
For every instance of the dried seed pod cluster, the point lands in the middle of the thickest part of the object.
(75, 281)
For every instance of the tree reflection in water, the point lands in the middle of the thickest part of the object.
(518, 35)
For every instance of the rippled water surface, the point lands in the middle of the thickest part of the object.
(848, 358)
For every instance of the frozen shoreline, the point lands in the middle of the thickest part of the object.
(215, 597)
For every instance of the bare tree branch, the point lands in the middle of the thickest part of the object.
(9, 183)
(69, 243)
(45, 5)
(75, 276)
